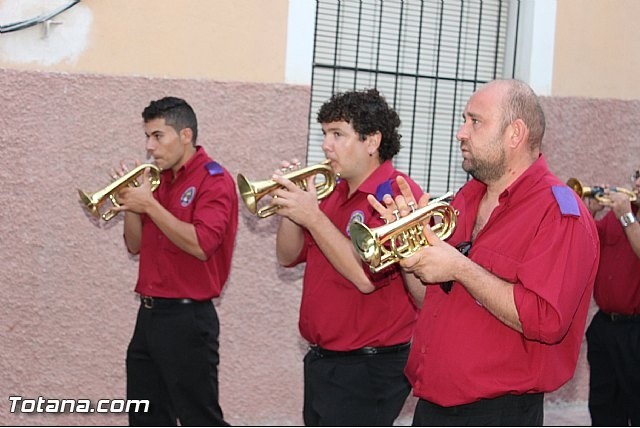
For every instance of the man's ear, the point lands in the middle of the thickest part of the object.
(373, 142)
(186, 135)
(518, 133)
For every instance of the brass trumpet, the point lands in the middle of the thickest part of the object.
(387, 244)
(597, 192)
(94, 201)
(252, 192)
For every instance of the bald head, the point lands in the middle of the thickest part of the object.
(518, 101)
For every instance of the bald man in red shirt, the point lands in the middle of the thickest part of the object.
(517, 274)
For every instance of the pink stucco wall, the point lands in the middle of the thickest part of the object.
(66, 281)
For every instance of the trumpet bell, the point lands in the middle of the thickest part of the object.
(385, 245)
(254, 192)
(247, 193)
(250, 193)
(576, 185)
(364, 240)
(90, 204)
(94, 202)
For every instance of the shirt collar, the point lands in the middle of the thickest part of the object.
(381, 173)
(519, 189)
(198, 158)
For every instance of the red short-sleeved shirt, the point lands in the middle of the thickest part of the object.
(334, 314)
(617, 288)
(203, 194)
(548, 247)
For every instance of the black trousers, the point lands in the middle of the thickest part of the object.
(613, 352)
(506, 410)
(354, 390)
(172, 361)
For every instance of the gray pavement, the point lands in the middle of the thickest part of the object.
(566, 414)
(558, 414)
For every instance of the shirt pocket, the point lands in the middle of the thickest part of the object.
(183, 214)
(501, 265)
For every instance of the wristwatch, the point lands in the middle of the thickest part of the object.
(627, 219)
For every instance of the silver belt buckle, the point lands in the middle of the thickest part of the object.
(147, 302)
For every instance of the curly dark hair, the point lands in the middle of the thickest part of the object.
(368, 112)
(176, 112)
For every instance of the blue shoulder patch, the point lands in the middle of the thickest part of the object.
(214, 168)
(566, 199)
(384, 189)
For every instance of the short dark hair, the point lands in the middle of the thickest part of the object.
(176, 112)
(368, 112)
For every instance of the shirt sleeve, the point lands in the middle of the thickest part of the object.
(302, 257)
(215, 206)
(556, 272)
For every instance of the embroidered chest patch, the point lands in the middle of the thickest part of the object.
(187, 196)
(357, 215)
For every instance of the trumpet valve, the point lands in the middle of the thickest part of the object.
(387, 244)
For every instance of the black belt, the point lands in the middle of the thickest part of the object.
(367, 350)
(614, 317)
(155, 302)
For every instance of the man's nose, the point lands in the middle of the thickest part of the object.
(150, 145)
(325, 144)
(461, 134)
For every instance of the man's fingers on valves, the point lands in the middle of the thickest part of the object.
(289, 166)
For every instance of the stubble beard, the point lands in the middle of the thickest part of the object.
(490, 168)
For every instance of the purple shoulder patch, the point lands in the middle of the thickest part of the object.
(214, 168)
(566, 199)
(384, 189)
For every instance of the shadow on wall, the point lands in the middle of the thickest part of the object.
(68, 302)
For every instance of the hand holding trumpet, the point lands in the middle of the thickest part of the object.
(298, 203)
(433, 263)
(122, 179)
(403, 205)
(619, 202)
(253, 192)
(136, 198)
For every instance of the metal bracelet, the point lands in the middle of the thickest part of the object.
(627, 219)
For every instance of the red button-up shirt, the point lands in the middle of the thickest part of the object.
(461, 352)
(203, 194)
(334, 313)
(617, 288)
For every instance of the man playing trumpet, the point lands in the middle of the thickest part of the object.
(614, 333)
(358, 324)
(516, 276)
(184, 233)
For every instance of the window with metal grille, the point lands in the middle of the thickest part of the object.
(426, 58)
